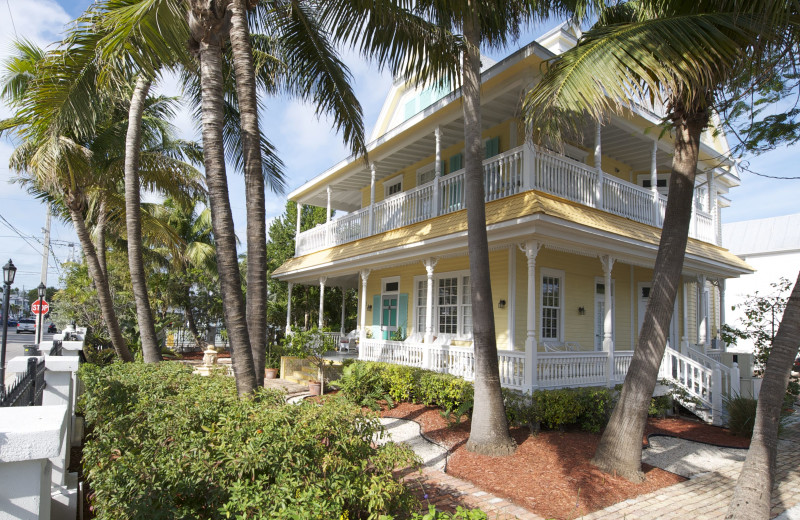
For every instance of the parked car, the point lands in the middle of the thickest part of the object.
(26, 325)
(51, 329)
(12, 323)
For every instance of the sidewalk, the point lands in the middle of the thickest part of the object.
(705, 497)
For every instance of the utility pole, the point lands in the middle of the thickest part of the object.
(45, 256)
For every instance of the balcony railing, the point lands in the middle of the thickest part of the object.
(507, 174)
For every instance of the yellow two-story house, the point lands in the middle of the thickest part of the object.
(573, 237)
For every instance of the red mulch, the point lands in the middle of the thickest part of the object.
(550, 473)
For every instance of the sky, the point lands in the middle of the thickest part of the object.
(307, 145)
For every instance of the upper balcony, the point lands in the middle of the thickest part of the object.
(520, 169)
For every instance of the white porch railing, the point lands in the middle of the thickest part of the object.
(703, 380)
(505, 174)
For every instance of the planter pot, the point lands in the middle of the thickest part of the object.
(314, 388)
(271, 373)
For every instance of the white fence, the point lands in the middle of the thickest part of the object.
(505, 174)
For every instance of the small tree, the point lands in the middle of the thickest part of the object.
(310, 345)
(762, 316)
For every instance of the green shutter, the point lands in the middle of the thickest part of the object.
(492, 147)
(376, 310)
(402, 313)
(456, 163)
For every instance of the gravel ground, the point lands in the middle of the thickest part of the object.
(409, 432)
(688, 458)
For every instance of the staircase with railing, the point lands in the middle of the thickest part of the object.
(512, 172)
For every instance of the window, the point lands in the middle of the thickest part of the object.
(491, 147)
(552, 304)
(393, 186)
(662, 182)
(426, 173)
(448, 305)
(422, 303)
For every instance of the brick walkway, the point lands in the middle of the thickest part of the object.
(703, 498)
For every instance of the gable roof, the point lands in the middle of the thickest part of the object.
(762, 236)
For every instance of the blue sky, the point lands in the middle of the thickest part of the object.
(307, 146)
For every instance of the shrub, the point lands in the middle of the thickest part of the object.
(459, 514)
(443, 390)
(660, 405)
(556, 408)
(400, 381)
(363, 383)
(588, 408)
(741, 415)
(596, 404)
(166, 444)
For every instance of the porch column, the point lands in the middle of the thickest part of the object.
(430, 263)
(608, 339)
(372, 198)
(437, 168)
(328, 208)
(289, 311)
(362, 334)
(344, 301)
(712, 198)
(702, 318)
(654, 184)
(531, 249)
(322, 280)
(297, 227)
(598, 164)
(685, 338)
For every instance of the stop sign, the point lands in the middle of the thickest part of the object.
(44, 309)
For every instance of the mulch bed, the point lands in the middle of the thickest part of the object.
(550, 473)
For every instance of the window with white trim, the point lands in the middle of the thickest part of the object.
(552, 305)
(426, 174)
(452, 304)
(393, 186)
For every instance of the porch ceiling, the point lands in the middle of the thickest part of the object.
(556, 222)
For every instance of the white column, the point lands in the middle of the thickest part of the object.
(429, 264)
(701, 311)
(531, 249)
(289, 311)
(344, 301)
(722, 344)
(363, 326)
(322, 280)
(438, 171)
(372, 199)
(654, 184)
(297, 227)
(685, 338)
(608, 338)
(598, 164)
(328, 208)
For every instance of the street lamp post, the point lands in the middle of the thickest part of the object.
(42, 289)
(9, 271)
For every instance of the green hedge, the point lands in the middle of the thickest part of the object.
(364, 382)
(165, 444)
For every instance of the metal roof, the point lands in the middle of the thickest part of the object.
(764, 235)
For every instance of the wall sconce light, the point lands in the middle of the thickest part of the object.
(581, 311)
(369, 307)
(501, 304)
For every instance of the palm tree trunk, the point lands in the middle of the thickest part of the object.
(254, 186)
(620, 448)
(133, 140)
(101, 285)
(208, 29)
(489, 432)
(751, 498)
(198, 340)
(100, 233)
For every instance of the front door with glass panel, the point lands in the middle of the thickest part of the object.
(388, 315)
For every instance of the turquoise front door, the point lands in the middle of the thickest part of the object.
(388, 315)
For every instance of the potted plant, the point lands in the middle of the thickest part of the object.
(273, 362)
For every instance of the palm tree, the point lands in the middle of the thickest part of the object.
(680, 53)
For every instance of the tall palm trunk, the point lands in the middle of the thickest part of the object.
(254, 182)
(100, 281)
(620, 448)
(133, 140)
(751, 498)
(208, 27)
(489, 432)
(100, 234)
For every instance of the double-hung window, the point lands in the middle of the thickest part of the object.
(552, 304)
(422, 303)
(448, 305)
(452, 304)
